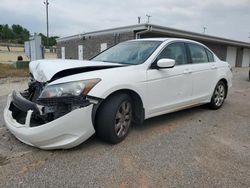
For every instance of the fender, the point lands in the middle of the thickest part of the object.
(103, 92)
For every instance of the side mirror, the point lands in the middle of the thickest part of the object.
(166, 63)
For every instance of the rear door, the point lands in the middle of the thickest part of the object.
(204, 70)
(169, 88)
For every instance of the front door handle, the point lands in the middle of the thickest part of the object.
(187, 71)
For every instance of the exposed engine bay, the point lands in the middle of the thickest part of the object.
(46, 109)
(43, 110)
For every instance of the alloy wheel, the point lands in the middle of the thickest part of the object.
(123, 119)
(219, 95)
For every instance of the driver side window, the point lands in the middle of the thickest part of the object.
(176, 51)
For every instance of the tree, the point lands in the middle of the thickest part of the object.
(6, 33)
(52, 40)
(18, 34)
(17, 29)
(15, 33)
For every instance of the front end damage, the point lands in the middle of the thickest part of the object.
(49, 123)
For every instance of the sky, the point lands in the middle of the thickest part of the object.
(222, 18)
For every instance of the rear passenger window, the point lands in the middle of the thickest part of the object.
(198, 53)
(175, 51)
(210, 56)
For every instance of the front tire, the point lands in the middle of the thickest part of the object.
(219, 96)
(114, 118)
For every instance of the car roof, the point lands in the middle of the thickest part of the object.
(163, 39)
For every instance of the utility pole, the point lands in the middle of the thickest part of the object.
(204, 30)
(249, 37)
(149, 16)
(47, 19)
(139, 19)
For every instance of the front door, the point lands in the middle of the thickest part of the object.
(171, 88)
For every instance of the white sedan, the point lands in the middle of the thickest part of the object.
(69, 100)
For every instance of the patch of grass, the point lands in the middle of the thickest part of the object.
(7, 70)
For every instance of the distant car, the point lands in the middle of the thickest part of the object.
(69, 100)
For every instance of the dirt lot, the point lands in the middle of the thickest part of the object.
(6, 56)
(197, 147)
(8, 70)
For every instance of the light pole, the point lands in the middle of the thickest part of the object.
(47, 19)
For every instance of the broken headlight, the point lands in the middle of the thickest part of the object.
(68, 89)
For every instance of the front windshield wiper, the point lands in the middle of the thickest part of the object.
(122, 63)
(108, 61)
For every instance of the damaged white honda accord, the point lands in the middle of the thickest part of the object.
(67, 101)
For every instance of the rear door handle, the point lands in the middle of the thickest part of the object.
(187, 71)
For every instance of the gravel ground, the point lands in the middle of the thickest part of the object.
(197, 147)
(6, 86)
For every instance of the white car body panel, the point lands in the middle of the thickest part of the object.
(161, 91)
(44, 71)
(204, 80)
(61, 133)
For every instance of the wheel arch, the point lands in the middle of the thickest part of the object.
(139, 112)
(224, 80)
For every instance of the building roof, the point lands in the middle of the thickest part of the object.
(151, 28)
(160, 39)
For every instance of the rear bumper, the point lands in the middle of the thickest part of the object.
(65, 132)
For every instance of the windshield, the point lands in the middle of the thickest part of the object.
(132, 52)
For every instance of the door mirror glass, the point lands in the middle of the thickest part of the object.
(166, 63)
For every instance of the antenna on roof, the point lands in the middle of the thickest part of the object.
(149, 16)
(139, 19)
(204, 30)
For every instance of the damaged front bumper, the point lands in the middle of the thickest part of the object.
(63, 132)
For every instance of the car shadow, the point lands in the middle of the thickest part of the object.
(159, 123)
(166, 120)
(169, 118)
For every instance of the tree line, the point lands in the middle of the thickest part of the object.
(18, 34)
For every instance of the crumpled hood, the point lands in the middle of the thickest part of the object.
(44, 70)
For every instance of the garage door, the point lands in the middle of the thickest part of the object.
(63, 52)
(246, 58)
(80, 52)
(231, 55)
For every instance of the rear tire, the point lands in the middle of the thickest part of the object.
(114, 118)
(219, 96)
